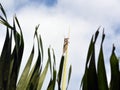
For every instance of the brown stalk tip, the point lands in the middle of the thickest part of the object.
(65, 46)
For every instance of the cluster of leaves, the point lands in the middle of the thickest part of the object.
(95, 77)
(32, 78)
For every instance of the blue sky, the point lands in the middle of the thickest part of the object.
(56, 16)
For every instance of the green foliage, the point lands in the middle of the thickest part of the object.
(95, 78)
(32, 78)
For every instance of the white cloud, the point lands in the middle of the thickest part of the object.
(83, 17)
(7, 3)
(53, 27)
(94, 10)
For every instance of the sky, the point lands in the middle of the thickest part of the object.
(56, 17)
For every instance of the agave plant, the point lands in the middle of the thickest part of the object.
(10, 61)
(95, 78)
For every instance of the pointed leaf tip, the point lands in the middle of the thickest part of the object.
(96, 34)
(113, 48)
(103, 36)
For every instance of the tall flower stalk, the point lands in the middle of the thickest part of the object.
(65, 52)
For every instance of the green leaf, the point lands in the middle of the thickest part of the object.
(49, 58)
(60, 73)
(29, 78)
(89, 51)
(88, 82)
(102, 78)
(19, 28)
(42, 76)
(41, 46)
(35, 75)
(84, 83)
(16, 57)
(92, 82)
(25, 72)
(13, 71)
(17, 23)
(5, 61)
(36, 29)
(33, 81)
(6, 24)
(96, 34)
(91, 71)
(38, 42)
(51, 85)
(54, 63)
(52, 82)
(9, 75)
(115, 78)
(3, 11)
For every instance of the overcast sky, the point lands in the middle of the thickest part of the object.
(56, 16)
